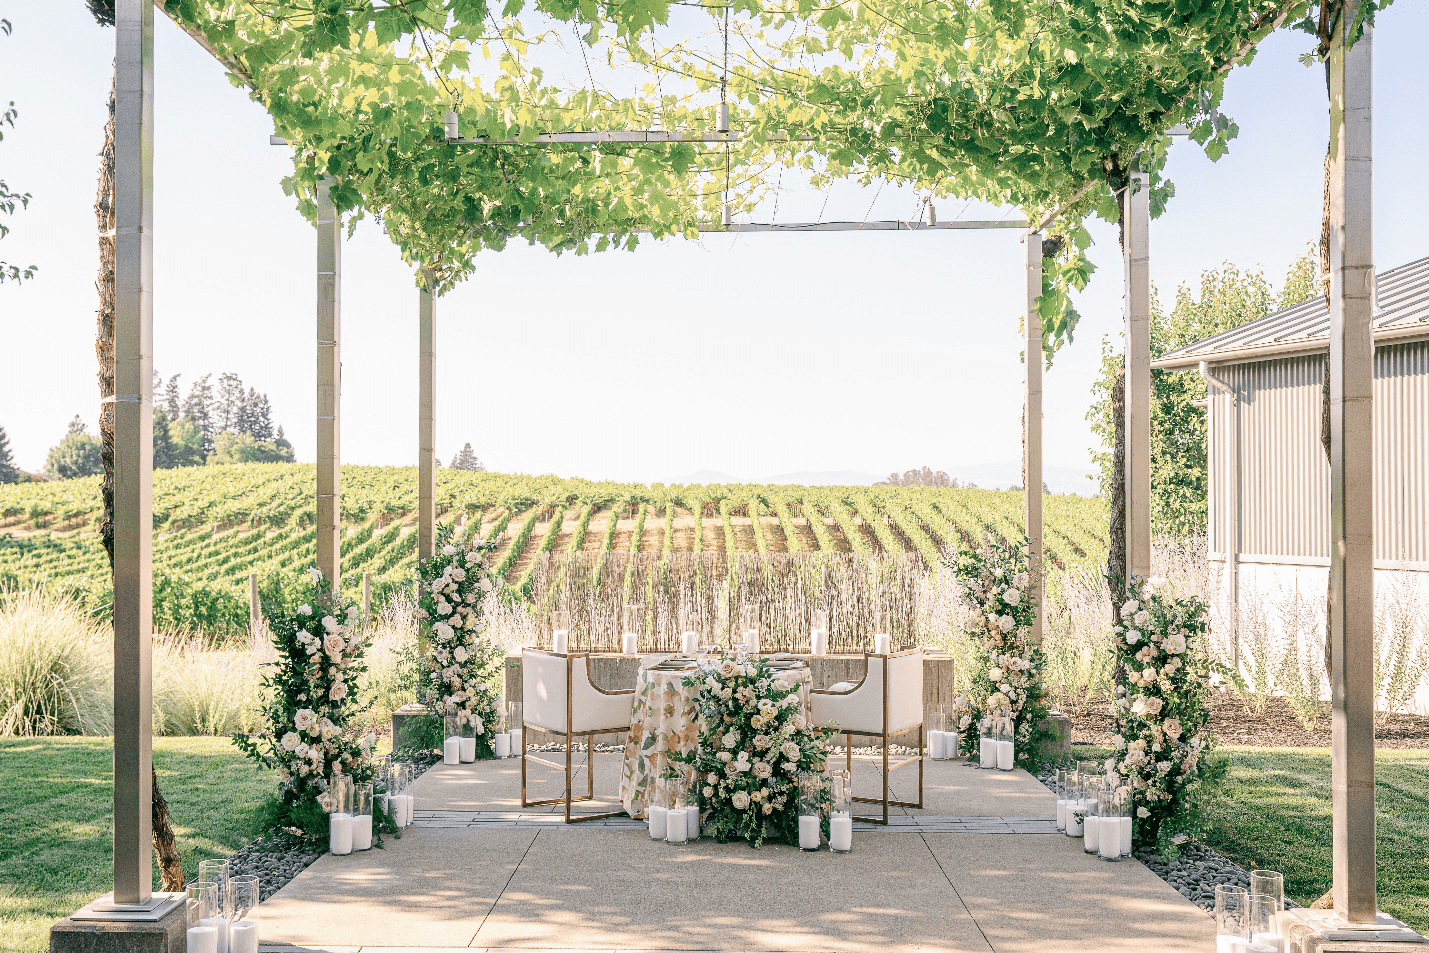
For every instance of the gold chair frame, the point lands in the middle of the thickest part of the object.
(568, 797)
(885, 737)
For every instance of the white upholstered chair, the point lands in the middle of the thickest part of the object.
(888, 702)
(558, 696)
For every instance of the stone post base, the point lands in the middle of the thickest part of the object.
(91, 930)
(1322, 931)
(1059, 747)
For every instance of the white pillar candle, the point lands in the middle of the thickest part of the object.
(819, 642)
(561, 641)
(451, 750)
(630, 643)
(406, 807)
(339, 835)
(1061, 814)
(468, 749)
(518, 745)
(362, 832)
(986, 752)
(952, 742)
(1254, 947)
(689, 642)
(751, 641)
(386, 801)
(935, 745)
(692, 822)
(244, 934)
(657, 816)
(220, 932)
(1231, 944)
(501, 745)
(1123, 825)
(1109, 838)
(840, 833)
(809, 834)
(1074, 823)
(1270, 941)
(882, 644)
(676, 831)
(1004, 756)
(1091, 826)
(202, 939)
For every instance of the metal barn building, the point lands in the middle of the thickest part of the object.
(1269, 480)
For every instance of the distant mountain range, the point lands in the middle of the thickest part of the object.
(997, 476)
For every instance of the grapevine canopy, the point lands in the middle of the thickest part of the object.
(1029, 103)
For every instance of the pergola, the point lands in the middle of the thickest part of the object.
(1351, 354)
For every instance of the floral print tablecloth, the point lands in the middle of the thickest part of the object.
(663, 719)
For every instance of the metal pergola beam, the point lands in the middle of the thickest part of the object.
(1032, 431)
(426, 420)
(329, 389)
(890, 225)
(1136, 254)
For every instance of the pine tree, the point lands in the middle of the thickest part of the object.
(256, 418)
(164, 455)
(467, 460)
(8, 473)
(282, 441)
(172, 402)
(229, 406)
(76, 426)
(198, 410)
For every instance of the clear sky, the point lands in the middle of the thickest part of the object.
(752, 355)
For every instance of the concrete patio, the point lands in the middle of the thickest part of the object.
(974, 870)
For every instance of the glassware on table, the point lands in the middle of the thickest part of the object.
(560, 631)
(840, 811)
(1232, 918)
(632, 617)
(811, 811)
(201, 910)
(243, 930)
(749, 628)
(216, 872)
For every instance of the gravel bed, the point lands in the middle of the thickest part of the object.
(1194, 873)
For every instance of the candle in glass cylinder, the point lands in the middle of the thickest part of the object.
(986, 752)
(468, 748)
(1267, 943)
(1091, 826)
(676, 829)
(501, 745)
(1232, 944)
(202, 939)
(362, 832)
(451, 750)
(1004, 755)
(882, 644)
(219, 927)
(1061, 814)
(840, 833)
(657, 816)
(1123, 825)
(689, 642)
(1075, 818)
(340, 833)
(243, 935)
(517, 745)
(692, 822)
(819, 642)
(630, 643)
(560, 641)
(809, 835)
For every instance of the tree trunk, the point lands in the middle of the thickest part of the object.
(171, 866)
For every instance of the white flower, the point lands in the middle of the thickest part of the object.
(329, 623)
(1156, 582)
(1012, 597)
(762, 770)
(460, 654)
(790, 751)
(305, 609)
(317, 575)
(485, 584)
(338, 690)
(995, 674)
(1142, 812)
(1005, 623)
(1175, 644)
(1129, 609)
(334, 644)
(326, 801)
(724, 756)
(303, 719)
(301, 749)
(740, 800)
(1021, 580)
(449, 550)
(709, 791)
(1141, 618)
(1132, 636)
(290, 741)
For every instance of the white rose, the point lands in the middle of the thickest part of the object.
(724, 756)
(290, 741)
(995, 674)
(1005, 623)
(1141, 618)
(1175, 644)
(461, 654)
(1132, 636)
(449, 550)
(305, 609)
(303, 719)
(338, 690)
(740, 800)
(1012, 597)
(334, 644)
(790, 751)
(301, 749)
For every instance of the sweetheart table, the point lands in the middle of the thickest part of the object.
(663, 719)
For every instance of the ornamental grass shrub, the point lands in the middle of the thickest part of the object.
(54, 671)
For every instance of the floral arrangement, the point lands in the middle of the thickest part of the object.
(1006, 669)
(464, 665)
(755, 743)
(1162, 690)
(311, 703)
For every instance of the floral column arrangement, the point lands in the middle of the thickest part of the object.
(1161, 709)
(464, 665)
(311, 704)
(1006, 670)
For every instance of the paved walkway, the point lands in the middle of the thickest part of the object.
(976, 870)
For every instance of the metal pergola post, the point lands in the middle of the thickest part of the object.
(1032, 431)
(1136, 258)
(133, 447)
(1351, 636)
(426, 420)
(329, 390)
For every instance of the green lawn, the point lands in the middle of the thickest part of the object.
(1273, 812)
(56, 830)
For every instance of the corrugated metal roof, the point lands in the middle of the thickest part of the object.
(1401, 306)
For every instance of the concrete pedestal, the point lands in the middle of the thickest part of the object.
(85, 933)
(1321, 931)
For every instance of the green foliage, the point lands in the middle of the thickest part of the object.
(9, 199)
(8, 473)
(244, 448)
(186, 446)
(1229, 297)
(53, 675)
(77, 455)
